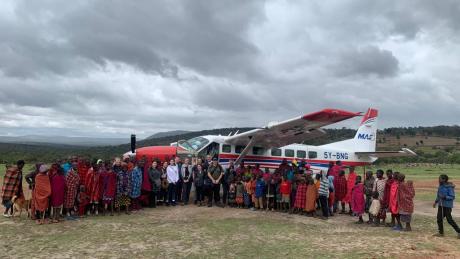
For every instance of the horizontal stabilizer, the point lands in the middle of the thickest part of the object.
(383, 154)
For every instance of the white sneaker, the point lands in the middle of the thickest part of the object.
(6, 215)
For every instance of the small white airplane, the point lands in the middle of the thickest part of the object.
(270, 145)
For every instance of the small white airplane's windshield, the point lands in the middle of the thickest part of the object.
(195, 143)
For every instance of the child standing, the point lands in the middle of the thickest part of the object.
(83, 201)
(247, 193)
(374, 209)
(285, 189)
(406, 201)
(271, 194)
(239, 193)
(357, 199)
(232, 194)
(259, 192)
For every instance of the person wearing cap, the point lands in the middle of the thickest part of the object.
(42, 193)
(215, 174)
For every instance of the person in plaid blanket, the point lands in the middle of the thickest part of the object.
(300, 196)
(12, 186)
(72, 182)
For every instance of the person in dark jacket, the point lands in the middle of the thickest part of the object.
(155, 180)
(445, 201)
(198, 180)
(229, 176)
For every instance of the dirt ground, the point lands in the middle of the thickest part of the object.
(192, 232)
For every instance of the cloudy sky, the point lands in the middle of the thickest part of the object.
(110, 68)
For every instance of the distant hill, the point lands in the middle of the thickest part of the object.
(167, 134)
(62, 140)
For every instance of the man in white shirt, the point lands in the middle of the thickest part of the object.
(172, 174)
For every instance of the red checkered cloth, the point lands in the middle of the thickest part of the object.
(301, 196)
(406, 197)
(11, 183)
(340, 188)
(72, 183)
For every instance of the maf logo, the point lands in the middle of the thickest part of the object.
(366, 136)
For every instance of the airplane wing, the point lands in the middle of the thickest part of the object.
(383, 154)
(291, 131)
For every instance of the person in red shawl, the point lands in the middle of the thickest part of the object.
(334, 171)
(109, 186)
(42, 193)
(386, 197)
(406, 196)
(350, 184)
(300, 196)
(57, 180)
(93, 187)
(12, 186)
(72, 182)
(83, 167)
(393, 202)
(357, 199)
(340, 188)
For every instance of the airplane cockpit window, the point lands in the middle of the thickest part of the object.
(212, 150)
(195, 144)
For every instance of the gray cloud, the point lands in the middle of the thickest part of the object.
(98, 68)
(367, 61)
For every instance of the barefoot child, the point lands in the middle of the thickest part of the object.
(374, 209)
(259, 192)
(357, 199)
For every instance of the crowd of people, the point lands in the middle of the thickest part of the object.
(77, 188)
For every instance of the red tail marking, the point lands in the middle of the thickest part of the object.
(371, 113)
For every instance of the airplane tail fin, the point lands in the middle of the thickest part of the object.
(365, 138)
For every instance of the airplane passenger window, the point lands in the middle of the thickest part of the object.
(258, 151)
(226, 149)
(239, 149)
(301, 154)
(312, 154)
(289, 153)
(276, 152)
